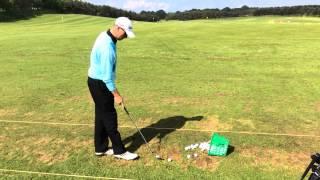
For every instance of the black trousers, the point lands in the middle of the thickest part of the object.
(106, 120)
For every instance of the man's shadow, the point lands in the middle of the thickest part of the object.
(158, 130)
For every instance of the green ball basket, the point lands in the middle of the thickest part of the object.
(218, 145)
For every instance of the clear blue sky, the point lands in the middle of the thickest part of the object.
(181, 5)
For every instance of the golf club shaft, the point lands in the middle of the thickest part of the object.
(144, 139)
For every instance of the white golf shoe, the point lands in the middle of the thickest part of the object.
(127, 156)
(109, 152)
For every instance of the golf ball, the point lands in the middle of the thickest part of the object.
(169, 159)
(195, 155)
(158, 156)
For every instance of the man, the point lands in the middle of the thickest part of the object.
(101, 82)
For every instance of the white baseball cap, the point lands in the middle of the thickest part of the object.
(126, 24)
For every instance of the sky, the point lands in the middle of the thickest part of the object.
(181, 5)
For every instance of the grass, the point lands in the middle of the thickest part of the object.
(256, 74)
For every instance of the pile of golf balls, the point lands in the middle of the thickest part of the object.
(204, 146)
(191, 147)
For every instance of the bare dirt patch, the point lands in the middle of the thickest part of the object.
(50, 158)
(202, 161)
(29, 113)
(276, 158)
(317, 106)
(3, 140)
(143, 121)
(174, 100)
(246, 122)
(49, 150)
(7, 112)
(213, 123)
(174, 154)
(270, 109)
(248, 107)
(206, 162)
(178, 156)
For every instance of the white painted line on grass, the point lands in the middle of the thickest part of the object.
(183, 129)
(58, 174)
(49, 123)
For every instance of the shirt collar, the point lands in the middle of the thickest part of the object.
(112, 37)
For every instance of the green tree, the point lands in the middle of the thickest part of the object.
(4, 5)
(161, 14)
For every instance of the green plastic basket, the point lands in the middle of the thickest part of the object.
(218, 145)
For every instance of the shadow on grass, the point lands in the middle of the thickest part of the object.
(230, 150)
(175, 122)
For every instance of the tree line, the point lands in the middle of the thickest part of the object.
(307, 10)
(17, 9)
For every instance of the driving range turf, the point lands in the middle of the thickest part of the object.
(242, 77)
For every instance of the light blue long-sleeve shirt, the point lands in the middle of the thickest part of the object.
(103, 61)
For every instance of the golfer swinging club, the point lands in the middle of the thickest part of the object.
(101, 82)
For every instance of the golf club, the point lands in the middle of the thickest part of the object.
(144, 139)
